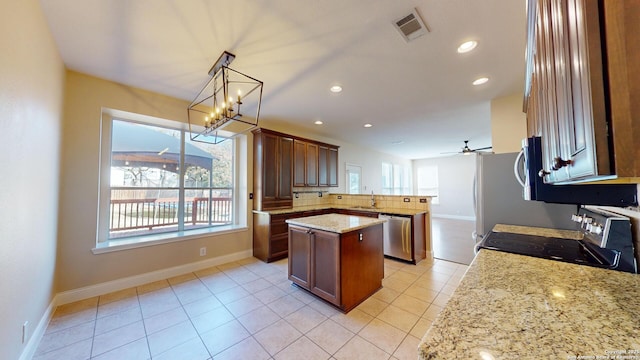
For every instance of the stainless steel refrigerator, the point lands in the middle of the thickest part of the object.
(499, 199)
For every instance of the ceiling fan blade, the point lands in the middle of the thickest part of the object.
(483, 148)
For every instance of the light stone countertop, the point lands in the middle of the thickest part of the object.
(537, 231)
(393, 211)
(510, 306)
(336, 223)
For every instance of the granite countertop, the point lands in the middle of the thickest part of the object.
(537, 231)
(510, 306)
(336, 223)
(393, 211)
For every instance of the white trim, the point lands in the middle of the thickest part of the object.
(455, 217)
(38, 333)
(137, 280)
(164, 238)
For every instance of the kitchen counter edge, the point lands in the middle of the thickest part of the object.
(335, 223)
(392, 211)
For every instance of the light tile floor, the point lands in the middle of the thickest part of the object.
(249, 310)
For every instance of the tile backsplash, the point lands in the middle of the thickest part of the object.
(308, 197)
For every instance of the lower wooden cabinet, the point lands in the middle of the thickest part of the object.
(343, 269)
(270, 236)
(271, 232)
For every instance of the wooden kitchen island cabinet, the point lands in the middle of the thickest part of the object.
(338, 258)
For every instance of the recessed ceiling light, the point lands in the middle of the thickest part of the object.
(368, 125)
(467, 46)
(336, 89)
(480, 81)
(318, 122)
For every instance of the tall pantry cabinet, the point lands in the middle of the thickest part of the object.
(273, 169)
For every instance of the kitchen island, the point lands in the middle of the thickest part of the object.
(338, 258)
(511, 306)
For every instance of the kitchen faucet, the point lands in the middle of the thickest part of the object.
(373, 201)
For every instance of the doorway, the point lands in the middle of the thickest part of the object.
(354, 179)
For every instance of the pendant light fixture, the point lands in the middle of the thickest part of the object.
(228, 105)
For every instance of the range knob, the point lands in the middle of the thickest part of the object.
(587, 220)
(576, 218)
(597, 229)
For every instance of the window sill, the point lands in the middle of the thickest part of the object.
(159, 239)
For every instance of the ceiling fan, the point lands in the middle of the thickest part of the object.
(467, 150)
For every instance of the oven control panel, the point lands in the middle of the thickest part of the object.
(600, 226)
(610, 231)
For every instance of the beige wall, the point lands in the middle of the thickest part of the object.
(455, 185)
(31, 86)
(78, 267)
(508, 124)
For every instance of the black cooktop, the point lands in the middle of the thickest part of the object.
(568, 250)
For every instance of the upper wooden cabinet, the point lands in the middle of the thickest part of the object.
(273, 169)
(315, 164)
(282, 161)
(581, 83)
(327, 166)
(305, 163)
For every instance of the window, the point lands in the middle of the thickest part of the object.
(160, 184)
(427, 179)
(396, 179)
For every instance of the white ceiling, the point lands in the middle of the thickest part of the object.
(417, 93)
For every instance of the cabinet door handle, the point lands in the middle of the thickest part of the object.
(360, 237)
(542, 173)
(558, 163)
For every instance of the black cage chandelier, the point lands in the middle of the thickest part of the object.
(228, 105)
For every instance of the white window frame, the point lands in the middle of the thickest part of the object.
(399, 179)
(104, 244)
(429, 186)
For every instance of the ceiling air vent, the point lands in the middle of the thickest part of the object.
(411, 26)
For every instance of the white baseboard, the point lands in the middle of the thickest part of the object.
(454, 217)
(38, 332)
(86, 292)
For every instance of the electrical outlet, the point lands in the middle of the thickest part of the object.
(203, 251)
(423, 201)
(25, 331)
(406, 200)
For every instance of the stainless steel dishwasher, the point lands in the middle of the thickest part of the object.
(397, 236)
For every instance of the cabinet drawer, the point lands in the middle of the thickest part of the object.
(279, 228)
(279, 243)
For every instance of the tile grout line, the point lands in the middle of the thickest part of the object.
(452, 273)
